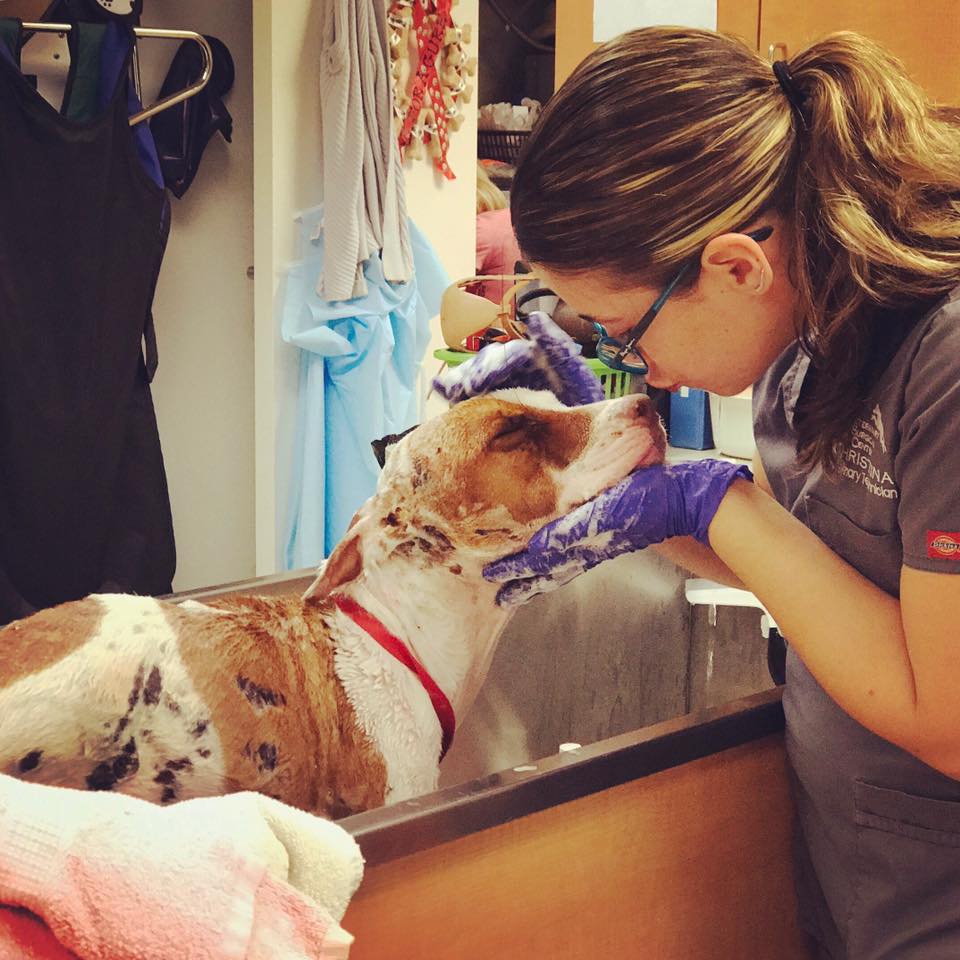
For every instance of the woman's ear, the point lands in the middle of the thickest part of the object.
(734, 261)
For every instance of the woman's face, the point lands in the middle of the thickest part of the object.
(720, 335)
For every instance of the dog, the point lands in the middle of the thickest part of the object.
(343, 699)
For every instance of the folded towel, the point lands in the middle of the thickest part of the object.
(281, 915)
(25, 937)
(117, 878)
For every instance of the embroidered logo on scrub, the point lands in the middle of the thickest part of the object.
(876, 418)
(866, 461)
(942, 545)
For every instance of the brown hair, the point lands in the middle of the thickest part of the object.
(666, 137)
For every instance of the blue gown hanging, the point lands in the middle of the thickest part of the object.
(358, 382)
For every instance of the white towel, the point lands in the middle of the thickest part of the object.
(241, 877)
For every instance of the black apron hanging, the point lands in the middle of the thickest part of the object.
(83, 493)
(183, 132)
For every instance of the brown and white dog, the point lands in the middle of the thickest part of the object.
(294, 697)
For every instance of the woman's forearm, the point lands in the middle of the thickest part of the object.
(700, 560)
(848, 631)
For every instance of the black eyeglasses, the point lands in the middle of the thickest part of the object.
(619, 354)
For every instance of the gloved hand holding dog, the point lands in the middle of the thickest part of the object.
(548, 360)
(651, 505)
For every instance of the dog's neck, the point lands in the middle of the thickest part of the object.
(450, 622)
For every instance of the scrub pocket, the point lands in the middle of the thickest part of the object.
(906, 905)
(878, 555)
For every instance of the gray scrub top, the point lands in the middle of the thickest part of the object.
(878, 844)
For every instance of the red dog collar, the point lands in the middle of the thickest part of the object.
(397, 648)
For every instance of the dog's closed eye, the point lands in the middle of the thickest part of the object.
(514, 432)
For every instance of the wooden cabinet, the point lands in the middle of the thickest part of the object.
(575, 29)
(688, 863)
(925, 35)
(574, 37)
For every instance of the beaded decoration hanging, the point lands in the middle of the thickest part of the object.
(429, 69)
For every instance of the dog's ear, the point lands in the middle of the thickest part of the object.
(342, 566)
(382, 446)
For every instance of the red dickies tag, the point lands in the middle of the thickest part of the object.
(942, 545)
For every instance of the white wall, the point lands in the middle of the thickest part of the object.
(203, 309)
(447, 210)
(288, 179)
(225, 391)
(203, 390)
(287, 158)
(227, 385)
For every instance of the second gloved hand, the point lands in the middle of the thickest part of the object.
(649, 506)
(548, 360)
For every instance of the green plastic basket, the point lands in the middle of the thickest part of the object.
(615, 383)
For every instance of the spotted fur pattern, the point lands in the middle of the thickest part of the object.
(286, 695)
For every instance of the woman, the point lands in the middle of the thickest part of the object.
(497, 250)
(799, 229)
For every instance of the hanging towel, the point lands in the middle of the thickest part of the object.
(112, 877)
(362, 176)
(358, 376)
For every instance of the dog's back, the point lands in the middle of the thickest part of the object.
(298, 698)
(168, 702)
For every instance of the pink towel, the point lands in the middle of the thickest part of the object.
(24, 937)
(240, 877)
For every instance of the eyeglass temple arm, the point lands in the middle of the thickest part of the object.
(759, 235)
(643, 325)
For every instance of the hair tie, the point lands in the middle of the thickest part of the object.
(785, 78)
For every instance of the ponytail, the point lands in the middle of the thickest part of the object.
(876, 212)
(665, 137)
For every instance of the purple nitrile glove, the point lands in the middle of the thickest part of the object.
(649, 506)
(548, 360)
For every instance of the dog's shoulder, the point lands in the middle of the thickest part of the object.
(30, 645)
